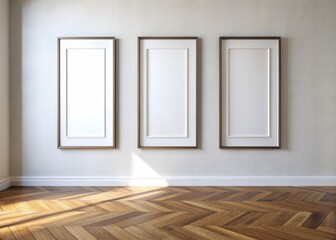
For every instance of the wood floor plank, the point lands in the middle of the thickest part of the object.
(40, 233)
(218, 219)
(159, 233)
(40, 206)
(181, 233)
(98, 220)
(180, 206)
(140, 233)
(55, 218)
(70, 218)
(80, 233)
(208, 206)
(24, 206)
(330, 197)
(266, 219)
(19, 219)
(119, 233)
(153, 206)
(6, 234)
(135, 206)
(281, 219)
(22, 233)
(298, 219)
(7, 206)
(188, 218)
(262, 233)
(327, 229)
(61, 233)
(306, 233)
(206, 233)
(164, 219)
(246, 219)
(300, 196)
(144, 217)
(330, 220)
(315, 197)
(100, 233)
(315, 220)
(229, 233)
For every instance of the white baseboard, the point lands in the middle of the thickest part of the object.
(177, 181)
(5, 183)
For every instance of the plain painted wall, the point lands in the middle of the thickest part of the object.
(4, 89)
(308, 111)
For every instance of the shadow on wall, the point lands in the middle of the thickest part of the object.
(16, 88)
(199, 94)
(284, 94)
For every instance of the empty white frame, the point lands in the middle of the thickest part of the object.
(86, 114)
(167, 92)
(250, 92)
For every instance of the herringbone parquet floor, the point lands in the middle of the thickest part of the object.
(168, 213)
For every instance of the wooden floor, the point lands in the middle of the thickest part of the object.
(168, 213)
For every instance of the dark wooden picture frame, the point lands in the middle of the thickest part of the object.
(221, 95)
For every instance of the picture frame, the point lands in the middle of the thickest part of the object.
(249, 92)
(86, 92)
(167, 77)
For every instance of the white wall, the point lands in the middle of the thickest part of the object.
(308, 32)
(4, 89)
